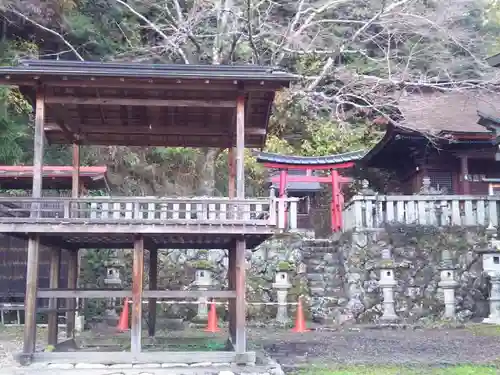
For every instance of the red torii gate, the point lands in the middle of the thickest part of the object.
(333, 163)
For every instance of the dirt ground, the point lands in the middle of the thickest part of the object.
(437, 346)
(429, 347)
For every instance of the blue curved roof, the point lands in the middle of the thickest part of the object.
(267, 157)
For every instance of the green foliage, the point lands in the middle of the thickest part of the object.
(326, 138)
(398, 370)
(92, 275)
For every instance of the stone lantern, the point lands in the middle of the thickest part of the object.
(387, 283)
(282, 284)
(113, 281)
(448, 284)
(491, 266)
(203, 281)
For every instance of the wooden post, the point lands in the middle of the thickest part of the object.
(73, 255)
(240, 342)
(283, 182)
(137, 278)
(75, 184)
(231, 277)
(153, 285)
(240, 147)
(231, 173)
(34, 239)
(55, 262)
(72, 284)
(464, 172)
(336, 215)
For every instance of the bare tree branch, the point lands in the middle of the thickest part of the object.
(68, 44)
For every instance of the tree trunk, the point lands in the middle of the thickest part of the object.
(206, 171)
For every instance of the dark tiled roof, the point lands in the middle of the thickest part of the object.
(266, 157)
(85, 68)
(447, 112)
(294, 185)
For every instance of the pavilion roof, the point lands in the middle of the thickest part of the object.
(149, 104)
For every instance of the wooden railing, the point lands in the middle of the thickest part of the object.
(279, 212)
(365, 212)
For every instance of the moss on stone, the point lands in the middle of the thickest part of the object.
(284, 266)
(203, 264)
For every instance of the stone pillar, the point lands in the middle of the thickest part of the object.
(494, 317)
(112, 281)
(203, 280)
(282, 284)
(491, 265)
(448, 284)
(387, 283)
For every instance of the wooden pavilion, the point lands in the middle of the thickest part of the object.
(88, 103)
(16, 181)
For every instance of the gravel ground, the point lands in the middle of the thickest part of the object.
(382, 347)
(349, 346)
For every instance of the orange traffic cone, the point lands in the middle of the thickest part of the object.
(300, 322)
(123, 322)
(212, 319)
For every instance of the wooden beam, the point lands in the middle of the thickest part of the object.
(137, 280)
(140, 102)
(240, 342)
(111, 358)
(141, 84)
(320, 179)
(322, 167)
(240, 147)
(113, 293)
(153, 285)
(156, 129)
(72, 284)
(195, 229)
(55, 263)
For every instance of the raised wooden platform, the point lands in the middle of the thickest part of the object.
(164, 223)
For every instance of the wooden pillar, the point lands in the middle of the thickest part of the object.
(464, 171)
(231, 277)
(240, 313)
(55, 263)
(75, 184)
(231, 173)
(336, 213)
(283, 182)
(153, 285)
(283, 185)
(34, 239)
(240, 147)
(72, 284)
(137, 279)
(73, 255)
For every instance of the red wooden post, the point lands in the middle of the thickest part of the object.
(336, 215)
(283, 183)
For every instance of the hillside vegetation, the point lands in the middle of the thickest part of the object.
(353, 60)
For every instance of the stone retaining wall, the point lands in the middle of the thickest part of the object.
(338, 276)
